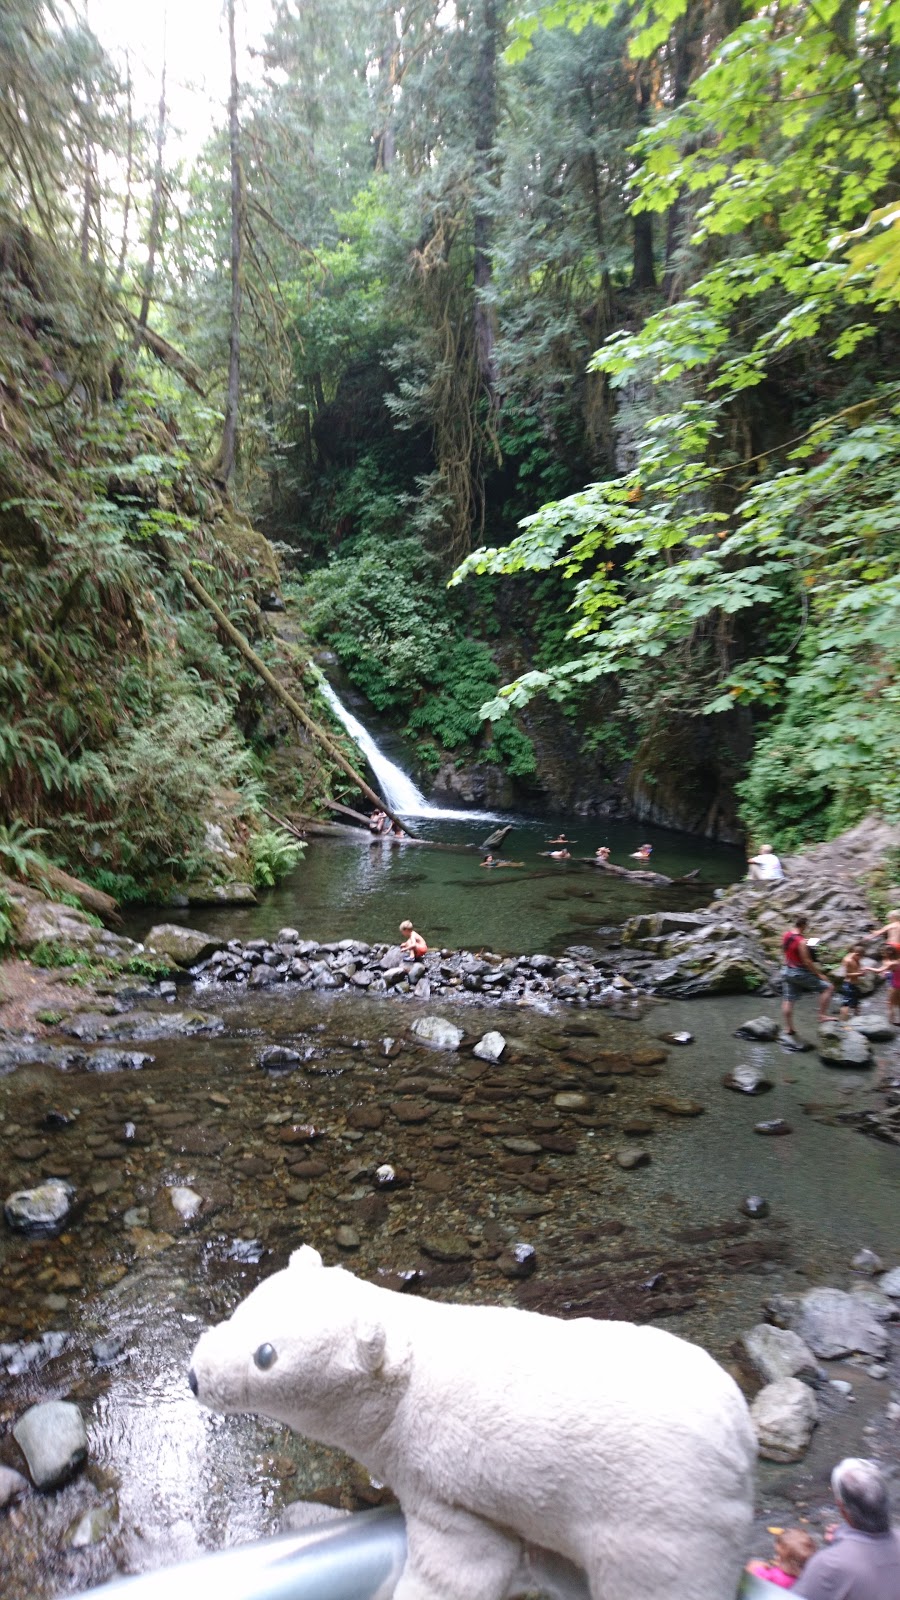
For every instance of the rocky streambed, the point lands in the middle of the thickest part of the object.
(569, 1159)
(539, 1130)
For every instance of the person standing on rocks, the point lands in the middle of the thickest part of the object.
(800, 975)
(863, 1560)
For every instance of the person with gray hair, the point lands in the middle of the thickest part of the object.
(863, 1560)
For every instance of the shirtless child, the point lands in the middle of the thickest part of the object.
(413, 945)
(850, 992)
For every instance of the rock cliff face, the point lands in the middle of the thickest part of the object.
(734, 945)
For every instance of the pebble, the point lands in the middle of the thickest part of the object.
(490, 1047)
(517, 1261)
(346, 1238)
(755, 1206)
(868, 1262)
(630, 1158)
(446, 1246)
(12, 1485)
(747, 1080)
(774, 1127)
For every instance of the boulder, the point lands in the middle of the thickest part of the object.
(890, 1283)
(181, 947)
(835, 1324)
(40, 1213)
(776, 1353)
(759, 1028)
(848, 1048)
(438, 1031)
(876, 1029)
(41, 922)
(784, 1415)
(490, 1047)
(53, 1440)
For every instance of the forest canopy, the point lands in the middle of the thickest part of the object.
(588, 310)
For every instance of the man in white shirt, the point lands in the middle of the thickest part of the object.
(766, 867)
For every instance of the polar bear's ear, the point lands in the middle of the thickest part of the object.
(371, 1340)
(305, 1257)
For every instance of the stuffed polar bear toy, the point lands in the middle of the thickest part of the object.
(623, 1448)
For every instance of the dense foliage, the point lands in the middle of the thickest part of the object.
(621, 278)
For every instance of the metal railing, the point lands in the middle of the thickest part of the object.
(352, 1558)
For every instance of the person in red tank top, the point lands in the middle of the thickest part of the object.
(800, 975)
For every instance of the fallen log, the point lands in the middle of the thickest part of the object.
(657, 880)
(102, 905)
(348, 811)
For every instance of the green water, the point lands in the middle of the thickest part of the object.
(356, 889)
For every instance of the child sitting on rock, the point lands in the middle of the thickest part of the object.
(413, 945)
(793, 1548)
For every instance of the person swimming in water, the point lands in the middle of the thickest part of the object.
(642, 853)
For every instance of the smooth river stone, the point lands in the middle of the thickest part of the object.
(53, 1440)
(746, 1080)
(41, 1213)
(439, 1032)
(490, 1047)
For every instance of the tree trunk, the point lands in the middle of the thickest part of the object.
(485, 109)
(643, 270)
(224, 467)
(156, 209)
(129, 180)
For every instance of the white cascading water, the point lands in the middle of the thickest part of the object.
(398, 789)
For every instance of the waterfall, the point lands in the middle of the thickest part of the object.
(400, 793)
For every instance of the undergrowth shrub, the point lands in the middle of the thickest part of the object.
(274, 854)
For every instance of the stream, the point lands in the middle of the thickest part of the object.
(486, 1155)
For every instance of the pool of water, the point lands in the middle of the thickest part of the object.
(354, 888)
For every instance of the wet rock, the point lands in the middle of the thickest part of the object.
(445, 1246)
(760, 1028)
(199, 1142)
(92, 1527)
(412, 1111)
(674, 1106)
(366, 1118)
(180, 947)
(889, 1284)
(784, 1415)
(92, 1025)
(835, 1324)
(30, 1353)
(773, 1128)
(299, 1133)
(521, 1147)
(875, 1029)
(776, 1353)
(882, 1308)
(518, 1261)
(868, 1262)
(53, 1440)
(682, 1037)
(387, 1176)
(437, 1182)
(845, 1049)
(490, 1047)
(747, 1080)
(278, 1058)
(263, 977)
(572, 1100)
(108, 1350)
(438, 1031)
(117, 1060)
(40, 1213)
(631, 1157)
(346, 1238)
(755, 1206)
(12, 1485)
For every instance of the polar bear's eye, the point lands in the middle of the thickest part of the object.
(265, 1357)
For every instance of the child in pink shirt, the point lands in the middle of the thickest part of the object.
(793, 1548)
